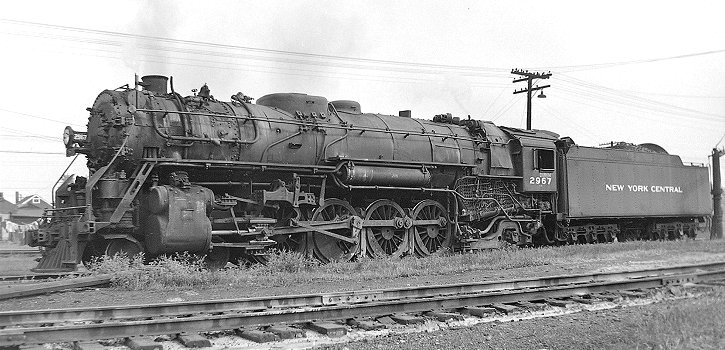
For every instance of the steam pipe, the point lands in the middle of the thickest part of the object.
(250, 165)
(264, 153)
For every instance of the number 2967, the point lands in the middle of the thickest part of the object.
(539, 180)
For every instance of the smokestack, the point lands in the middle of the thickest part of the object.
(155, 83)
(1, 196)
(17, 197)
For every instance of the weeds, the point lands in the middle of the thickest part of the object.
(286, 262)
(181, 270)
(693, 325)
(289, 268)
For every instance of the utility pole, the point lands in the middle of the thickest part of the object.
(529, 78)
(716, 230)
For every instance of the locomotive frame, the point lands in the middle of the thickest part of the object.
(231, 180)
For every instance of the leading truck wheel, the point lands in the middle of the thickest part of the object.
(123, 246)
(93, 251)
(328, 248)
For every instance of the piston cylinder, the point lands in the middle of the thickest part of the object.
(177, 219)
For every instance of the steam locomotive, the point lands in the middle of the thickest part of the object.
(233, 180)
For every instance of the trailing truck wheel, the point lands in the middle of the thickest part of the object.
(386, 240)
(290, 243)
(431, 227)
(240, 257)
(327, 248)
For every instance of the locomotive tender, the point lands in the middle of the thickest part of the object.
(232, 180)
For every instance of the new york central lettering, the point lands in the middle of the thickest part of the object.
(637, 188)
(642, 188)
(615, 188)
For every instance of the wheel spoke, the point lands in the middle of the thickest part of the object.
(430, 239)
(385, 240)
(328, 248)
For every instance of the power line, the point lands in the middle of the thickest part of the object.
(340, 61)
(637, 101)
(283, 70)
(493, 102)
(27, 188)
(401, 65)
(29, 136)
(156, 40)
(622, 102)
(45, 164)
(37, 117)
(568, 121)
(582, 67)
(31, 152)
(470, 69)
(577, 99)
(25, 133)
(502, 110)
(672, 95)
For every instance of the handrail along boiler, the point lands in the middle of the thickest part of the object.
(232, 180)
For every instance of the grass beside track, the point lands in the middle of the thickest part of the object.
(691, 324)
(16, 264)
(289, 269)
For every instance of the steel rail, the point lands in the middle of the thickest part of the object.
(118, 312)
(10, 252)
(232, 320)
(23, 290)
(42, 276)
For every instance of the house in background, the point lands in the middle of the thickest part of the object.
(7, 208)
(29, 209)
(16, 219)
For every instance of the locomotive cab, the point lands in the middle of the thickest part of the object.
(535, 158)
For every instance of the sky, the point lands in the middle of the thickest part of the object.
(634, 71)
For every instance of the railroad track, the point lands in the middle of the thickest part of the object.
(41, 276)
(79, 324)
(19, 252)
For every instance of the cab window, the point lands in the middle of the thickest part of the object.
(544, 159)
